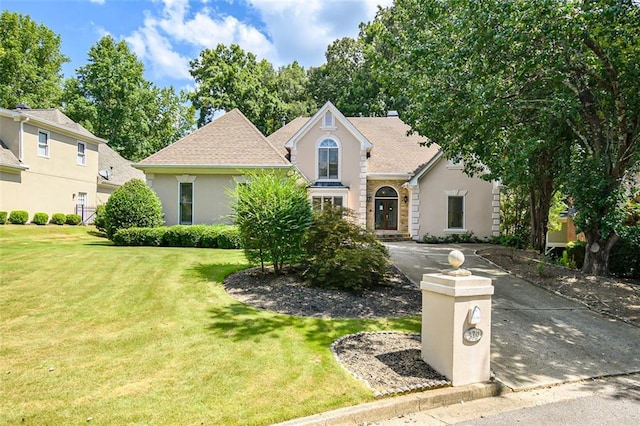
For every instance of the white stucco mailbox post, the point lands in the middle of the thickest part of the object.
(456, 323)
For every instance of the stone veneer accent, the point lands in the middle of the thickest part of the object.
(403, 215)
(495, 205)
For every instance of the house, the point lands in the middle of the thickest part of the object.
(395, 184)
(50, 164)
(191, 177)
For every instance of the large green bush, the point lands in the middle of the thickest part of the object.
(624, 259)
(18, 217)
(40, 218)
(272, 212)
(134, 204)
(342, 254)
(151, 237)
(100, 219)
(58, 218)
(3, 218)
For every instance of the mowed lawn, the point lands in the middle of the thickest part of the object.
(137, 335)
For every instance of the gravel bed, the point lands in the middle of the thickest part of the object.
(387, 362)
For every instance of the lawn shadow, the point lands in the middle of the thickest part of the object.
(215, 272)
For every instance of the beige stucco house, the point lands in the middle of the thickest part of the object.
(395, 184)
(50, 164)
(191, 177)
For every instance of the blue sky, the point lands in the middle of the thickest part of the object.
(167, 34)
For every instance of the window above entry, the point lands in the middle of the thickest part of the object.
(328, 159)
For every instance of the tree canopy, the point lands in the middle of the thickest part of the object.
(113, 100)
(543, 93)
(30, 63)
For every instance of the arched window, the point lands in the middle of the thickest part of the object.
(328, 159)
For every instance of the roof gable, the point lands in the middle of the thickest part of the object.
(338, 117)
(230, 140)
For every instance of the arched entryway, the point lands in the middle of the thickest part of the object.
(386, 208)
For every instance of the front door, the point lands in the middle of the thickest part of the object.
(386, 214)
(386, 205)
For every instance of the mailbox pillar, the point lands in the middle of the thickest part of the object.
(456, 324)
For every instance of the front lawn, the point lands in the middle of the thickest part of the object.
(139, 335)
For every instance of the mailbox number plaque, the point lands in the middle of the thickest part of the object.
(472, 335)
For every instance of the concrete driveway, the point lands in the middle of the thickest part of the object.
(538, 338)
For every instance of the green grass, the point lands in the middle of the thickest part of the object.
(138, 335)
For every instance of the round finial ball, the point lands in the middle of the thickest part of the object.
(456, 259)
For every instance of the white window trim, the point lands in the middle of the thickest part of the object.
(456, 193)
(84, 154)
(187, 179)
(451, 165)
(48, 146)
(317, 159)
(324, 192)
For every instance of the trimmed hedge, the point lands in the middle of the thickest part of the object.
(3, 218)
(73, 219)
(205, 236)
(40, 218)
(58, 218)
(18, 217)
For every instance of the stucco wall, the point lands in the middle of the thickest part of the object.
(211, 204)
(306, 159)
(50, 185)
(431, 197)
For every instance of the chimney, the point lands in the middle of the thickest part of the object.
(393, 113)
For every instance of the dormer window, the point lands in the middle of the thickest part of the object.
(328, 120)
(328, 157)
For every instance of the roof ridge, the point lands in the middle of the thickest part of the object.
(264, 138)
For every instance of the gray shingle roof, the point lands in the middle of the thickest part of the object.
(229, 140)
(7, 158)
(58, 118)
(120, 170)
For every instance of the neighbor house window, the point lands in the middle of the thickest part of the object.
(43, 144)
(81, 158)
(328, 159)
(455, 216)
(324, 202)
(186, 203)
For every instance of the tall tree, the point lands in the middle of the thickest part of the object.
(30, 63)
(541, 92)
(112, 99)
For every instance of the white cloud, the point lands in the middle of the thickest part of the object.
(97, 1)
(290, 30)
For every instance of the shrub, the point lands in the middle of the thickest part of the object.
(183, 235)
(342, 254)
(58, 218)
(229, 237)
(40, 218)
(272, 212)
(3, 218)
(139, 236)
(516, 241)
(134, 204)
(73, 219)
(100, 221)
(624, 259)
(18, 217)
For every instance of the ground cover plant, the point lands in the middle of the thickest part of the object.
(147, 335)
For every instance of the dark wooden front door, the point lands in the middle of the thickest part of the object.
(386, 214)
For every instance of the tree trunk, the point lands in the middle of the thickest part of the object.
(540, 203)
(596, 253)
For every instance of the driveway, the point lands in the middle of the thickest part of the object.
(538, 338)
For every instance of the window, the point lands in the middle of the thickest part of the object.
(455, 215)
(328, 120)
(43, 144)
(82, 199)
(323, 202)
(81, 159)
(186, 203)
(328, 159)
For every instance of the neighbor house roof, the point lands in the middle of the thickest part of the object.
(57, 119)
(228, 141)
(8, 160)
(393, 150)
(113, 169)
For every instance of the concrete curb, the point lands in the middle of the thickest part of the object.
(405, 404)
